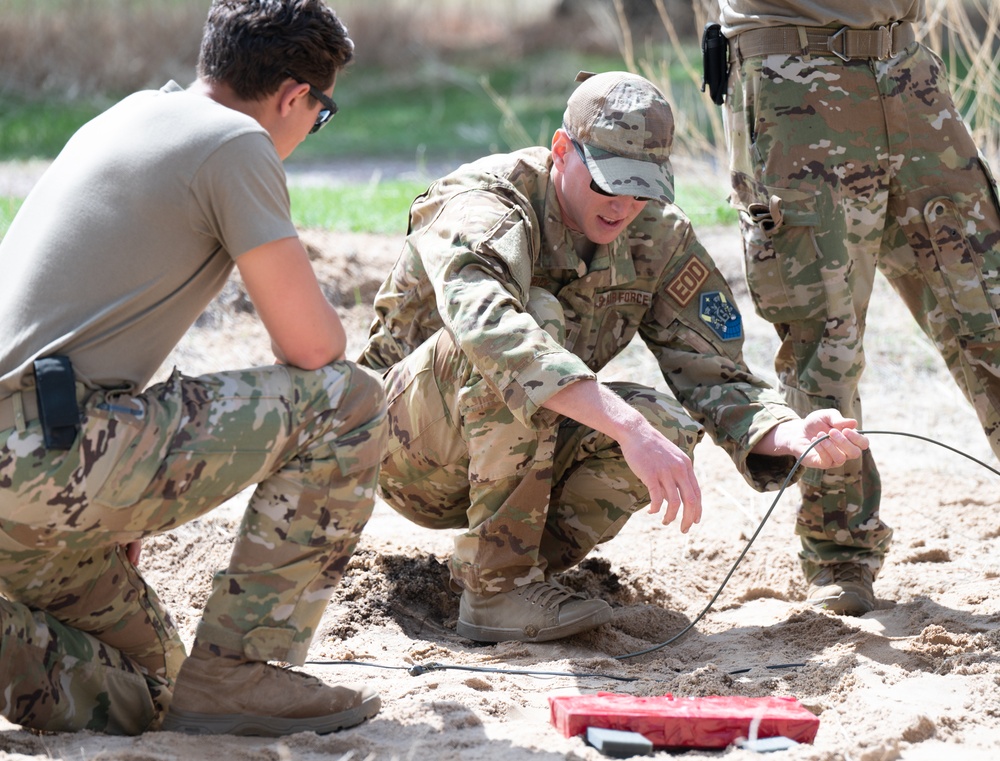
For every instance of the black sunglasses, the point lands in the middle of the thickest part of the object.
(593, 185)
(329, 107)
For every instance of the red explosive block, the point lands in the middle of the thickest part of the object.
(669, 722)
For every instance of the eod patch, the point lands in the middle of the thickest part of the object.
(686, 283)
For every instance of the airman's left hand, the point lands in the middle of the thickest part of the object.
(793, 437)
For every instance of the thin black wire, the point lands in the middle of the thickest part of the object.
(760, 527)
(433, 666)
(420, 669)
(966, 455)
(767, 515)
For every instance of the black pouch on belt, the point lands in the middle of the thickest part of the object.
(714, 62)
(58, 410)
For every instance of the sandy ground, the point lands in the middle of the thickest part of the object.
(915, 679)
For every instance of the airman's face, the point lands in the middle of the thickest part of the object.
(602, 218)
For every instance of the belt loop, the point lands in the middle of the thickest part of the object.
(734, 50)
(804, 42)
(18, 405)
(891, 51)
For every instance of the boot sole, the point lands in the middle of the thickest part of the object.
(498, 634)
(268, 726)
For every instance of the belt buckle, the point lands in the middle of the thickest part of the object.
(842, 35)
(890, 33)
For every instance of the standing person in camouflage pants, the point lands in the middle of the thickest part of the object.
(848, 155)
(521, 276)
(127, 237)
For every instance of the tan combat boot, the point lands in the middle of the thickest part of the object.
(843, 588)
(535, 612)
(220, 696)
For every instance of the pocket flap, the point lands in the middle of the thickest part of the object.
(793, 207)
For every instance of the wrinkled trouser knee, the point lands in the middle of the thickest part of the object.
(311, 440)
(301, 527)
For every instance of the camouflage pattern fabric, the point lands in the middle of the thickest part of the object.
(60, 678)
(489, 312)
(94, 647)
(534, 501)
(838, 169)
(623, 129)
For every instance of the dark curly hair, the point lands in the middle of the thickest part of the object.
(252, 45)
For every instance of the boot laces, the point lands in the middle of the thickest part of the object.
(843, 573)
(852, 573)
(548, 594)
(288, 677)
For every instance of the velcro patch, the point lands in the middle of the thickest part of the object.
(614, 298)
(687, 282)
(721, 315)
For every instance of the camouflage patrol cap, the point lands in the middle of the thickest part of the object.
(625, 126)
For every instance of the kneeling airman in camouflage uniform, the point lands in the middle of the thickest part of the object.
(521, 276)
(126, 238)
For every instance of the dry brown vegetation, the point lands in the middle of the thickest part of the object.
(74, 48)
(71, 48)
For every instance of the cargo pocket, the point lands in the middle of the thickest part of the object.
(958, 270)
(499, 446)
(130, 445)
(783, 260)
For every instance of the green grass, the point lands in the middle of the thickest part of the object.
(30, 130)
(440, 111)
(382, 207)
(8, 208)
(705, 205)
(373, 208)
(446, 111)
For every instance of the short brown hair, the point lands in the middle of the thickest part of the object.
(253, 45)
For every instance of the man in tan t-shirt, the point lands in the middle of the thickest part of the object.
(116, 251)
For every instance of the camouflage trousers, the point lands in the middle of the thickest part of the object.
(840, 169)
(86, 643)
(533, 501)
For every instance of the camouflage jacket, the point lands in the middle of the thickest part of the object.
(481, 236)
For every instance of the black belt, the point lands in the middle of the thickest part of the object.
(880, 43)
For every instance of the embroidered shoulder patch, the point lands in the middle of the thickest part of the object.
(721, 315)
(687, 282)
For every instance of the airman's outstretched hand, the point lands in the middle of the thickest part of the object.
(793, 437)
